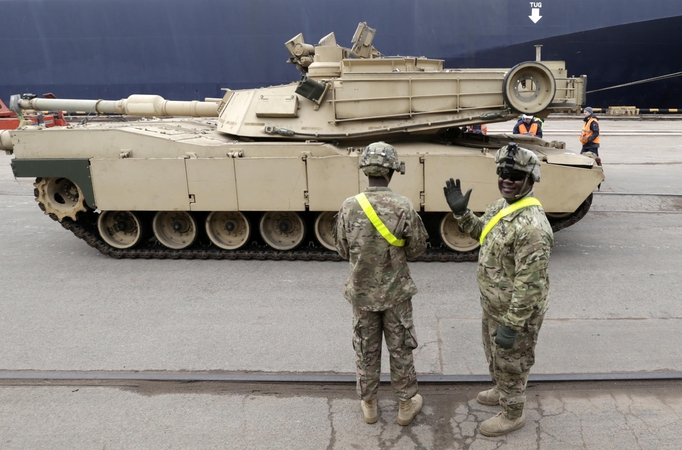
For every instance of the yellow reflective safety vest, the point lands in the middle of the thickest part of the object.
(524, 203)
(376, 221)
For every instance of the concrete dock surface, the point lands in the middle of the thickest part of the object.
(152, 415)
(614, 309)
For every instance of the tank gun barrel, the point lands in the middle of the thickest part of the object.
(135, 105)
(6, 141)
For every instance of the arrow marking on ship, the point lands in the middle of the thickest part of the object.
(535, 15)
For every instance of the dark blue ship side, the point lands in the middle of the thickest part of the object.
(185, 50)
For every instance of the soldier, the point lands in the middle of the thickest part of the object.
(516, 241)
(377, 231)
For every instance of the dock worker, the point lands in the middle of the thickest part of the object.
(590, 134)
(528, 126)
(477, 129)
(516, 241)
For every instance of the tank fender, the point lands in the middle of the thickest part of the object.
(77, 170)
(570, 159)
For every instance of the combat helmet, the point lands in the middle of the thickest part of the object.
(513, 157)
(378, 159)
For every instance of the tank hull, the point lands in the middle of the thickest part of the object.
(162, 173)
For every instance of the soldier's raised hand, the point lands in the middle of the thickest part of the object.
(453, 194)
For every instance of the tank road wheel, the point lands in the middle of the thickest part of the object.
(59, 196)
(529, 87)
(282, 230)
(120, 229)
(175, 229)
(324, 224)
(229, 230)
(454, 237)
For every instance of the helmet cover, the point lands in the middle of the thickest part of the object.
(378, 159)
(513, 157)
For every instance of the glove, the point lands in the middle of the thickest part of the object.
(505, 337)
(453, 194)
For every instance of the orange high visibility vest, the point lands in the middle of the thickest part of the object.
(533, 128)
(587, 132)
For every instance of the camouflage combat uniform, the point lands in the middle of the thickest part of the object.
(514, 284)
(380, 287)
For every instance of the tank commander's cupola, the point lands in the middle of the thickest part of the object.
(323, 61)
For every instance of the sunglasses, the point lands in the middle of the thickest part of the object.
(512, 175)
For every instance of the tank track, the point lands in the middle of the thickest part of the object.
(87, 230)
(560, 224)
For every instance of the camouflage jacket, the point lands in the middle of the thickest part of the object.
(513, 262)
(379, 277)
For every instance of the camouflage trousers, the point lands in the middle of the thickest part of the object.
(398, 329)
(509, 369)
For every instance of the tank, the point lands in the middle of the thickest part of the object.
(261, 173)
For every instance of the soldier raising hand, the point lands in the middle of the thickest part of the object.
(516, 240)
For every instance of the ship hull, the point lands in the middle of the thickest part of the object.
(190, 50)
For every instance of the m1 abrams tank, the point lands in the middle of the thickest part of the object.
(262, 172)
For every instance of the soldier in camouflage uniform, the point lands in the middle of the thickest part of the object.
(513, 279)
(379, 287)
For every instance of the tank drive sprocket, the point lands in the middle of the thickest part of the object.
(59, 197)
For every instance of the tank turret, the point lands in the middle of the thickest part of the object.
(369, 96)
(260, 173)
